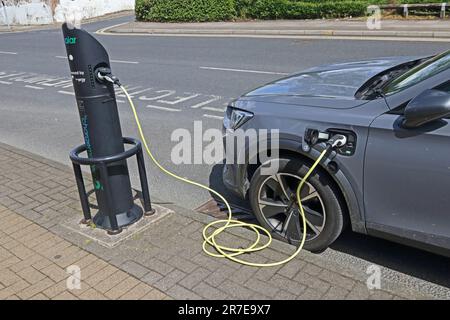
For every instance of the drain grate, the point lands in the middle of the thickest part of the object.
(218, 210)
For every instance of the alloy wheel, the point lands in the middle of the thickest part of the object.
(278, 204)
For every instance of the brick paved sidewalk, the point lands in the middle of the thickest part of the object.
(38, 196)
(34, 265)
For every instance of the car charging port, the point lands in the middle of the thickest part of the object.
(342, 141)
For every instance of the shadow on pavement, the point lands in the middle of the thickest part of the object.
(413, 262)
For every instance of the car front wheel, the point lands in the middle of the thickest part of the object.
(274, 203)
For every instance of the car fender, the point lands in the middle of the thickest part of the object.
(294, 145)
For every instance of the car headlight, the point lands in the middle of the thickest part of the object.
(235, 118)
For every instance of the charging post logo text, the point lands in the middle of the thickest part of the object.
(87, 140)
(70, 40)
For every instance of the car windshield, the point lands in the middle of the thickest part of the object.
(421, 72)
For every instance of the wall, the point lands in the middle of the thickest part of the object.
(24, 12)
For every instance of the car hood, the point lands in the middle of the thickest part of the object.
(338, 82)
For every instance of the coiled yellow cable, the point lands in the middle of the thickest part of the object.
(210, 237)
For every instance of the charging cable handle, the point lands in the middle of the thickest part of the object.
(104, 75)
(337, 141)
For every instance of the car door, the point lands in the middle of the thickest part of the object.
(407, 178)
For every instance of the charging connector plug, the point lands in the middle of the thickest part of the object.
(337, 141)
(104, 75)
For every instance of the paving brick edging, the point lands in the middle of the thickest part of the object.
(189, 225)
(287, 33)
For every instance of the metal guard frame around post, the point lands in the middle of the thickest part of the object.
(102, 164)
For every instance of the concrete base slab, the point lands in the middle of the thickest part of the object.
(110, 241)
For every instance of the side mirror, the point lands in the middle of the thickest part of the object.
(428, 106)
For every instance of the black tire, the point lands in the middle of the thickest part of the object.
(335, 217)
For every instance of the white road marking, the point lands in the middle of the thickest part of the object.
(179, 99)
(124, 61)
(12, 75)
(243, 70)
(37, 79)
(133, 94)
(120, 94)
(63, 83)
(213, 116)
(110, 27)
(7, 52)
(67, 92)
(165, 93)
(163, 108)
(201, 104)
(34, 87)
(178, 103)
(215, 109)
(115, 61)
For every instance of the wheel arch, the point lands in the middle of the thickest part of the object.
(292, 148)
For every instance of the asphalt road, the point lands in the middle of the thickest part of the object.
(175, 81)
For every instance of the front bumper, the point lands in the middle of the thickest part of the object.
(234, 175)
(235, 179)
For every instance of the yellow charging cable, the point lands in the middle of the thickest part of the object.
(210, 238)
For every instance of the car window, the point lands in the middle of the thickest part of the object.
(420, 73)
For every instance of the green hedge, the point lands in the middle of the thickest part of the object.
(285, 9)
(185, 10)
(222, 10)
(368, 1)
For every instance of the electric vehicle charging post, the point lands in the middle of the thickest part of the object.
(103, 139)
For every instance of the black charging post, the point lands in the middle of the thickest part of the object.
(104, 144)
